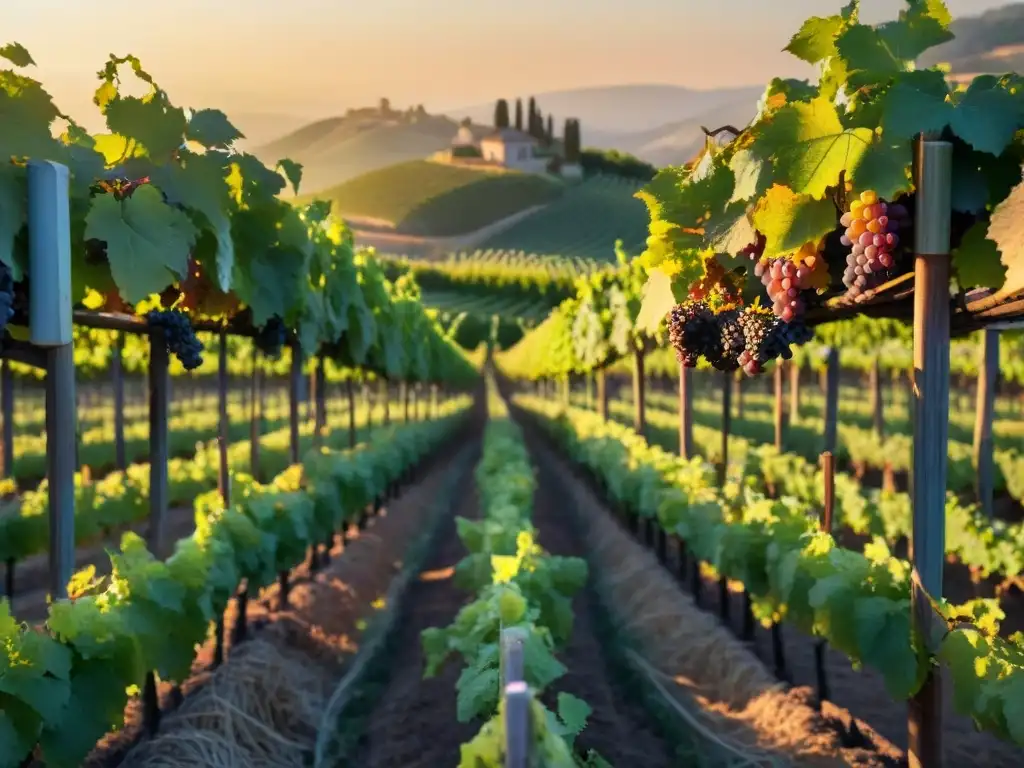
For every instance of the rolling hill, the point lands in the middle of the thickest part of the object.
(992, 42)
(428, 199)
(336, 149)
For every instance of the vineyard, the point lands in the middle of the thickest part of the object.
(753, 497)
(583, 223)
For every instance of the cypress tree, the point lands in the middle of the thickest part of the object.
(501, 114)
(549, 133)
(519, 114)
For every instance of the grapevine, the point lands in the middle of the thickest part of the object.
(180, 337)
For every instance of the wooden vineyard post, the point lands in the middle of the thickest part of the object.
(294, 386)
(385, 399)
(780, 414)
(831, 399)
(255, 415)
(739, 394)
(117, 382)
(988, 375)
(794, 392)
(403, 393)
(159, 396)
(877, 403)
(159, 384)
(223, 476)
(639, 396)
(932, 169)
(685, 412)
(602, 394)
(828, 465)
(51, 336)
(434, 398)
(723, 473)
(320, 406)
(723, 469)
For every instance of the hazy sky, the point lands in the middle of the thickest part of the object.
(317, 57)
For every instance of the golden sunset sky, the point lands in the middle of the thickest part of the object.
(314, 58)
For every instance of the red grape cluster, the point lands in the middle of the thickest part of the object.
(786, 278)
(871, 235)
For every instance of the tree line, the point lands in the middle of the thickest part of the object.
(539, 126)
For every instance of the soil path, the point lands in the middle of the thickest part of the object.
(618, 729)
(320, 632)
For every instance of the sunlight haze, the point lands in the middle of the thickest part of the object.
(310, 58)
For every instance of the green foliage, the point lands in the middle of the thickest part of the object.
(65, 687)
(814, 145)
(519, 588)
(858, 602)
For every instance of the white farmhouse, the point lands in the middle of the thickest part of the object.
(513, 149)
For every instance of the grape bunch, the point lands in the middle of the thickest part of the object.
(693, 332)
(871, 234)
(271, 337)
(786, 279)
(6, 296)
(732, 339)
(181, 338)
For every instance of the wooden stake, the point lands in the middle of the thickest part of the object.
(933, 161)
(988, 375)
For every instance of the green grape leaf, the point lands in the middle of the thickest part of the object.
(987, 115)
(540, 667)
(13, 212)
(809, 146)
(863, 49)
(147, 240)
(658, 301)
(976, 260)
(959, 652)
(788, 220)
(17, 54)
(923, 25)
(479, 692)
(885, 168)
(200, 185)
(916, 102)
(212, 129)
(292, 171)
(748, 170)
(156, 125)
(816, 39)
(573, 712)
(1006, 229)
(883, 636)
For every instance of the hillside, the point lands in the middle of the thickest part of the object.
(992, 42)
(429, 199)
(337, 149)
(677, 142)
(584, 223)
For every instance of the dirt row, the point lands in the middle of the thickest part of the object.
(264, 706)
(859, 722)
(415, 724)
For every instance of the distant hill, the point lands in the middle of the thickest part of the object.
(336, 149)
(261, 127)
(429, 199)
(617, 109)
(990, 43)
